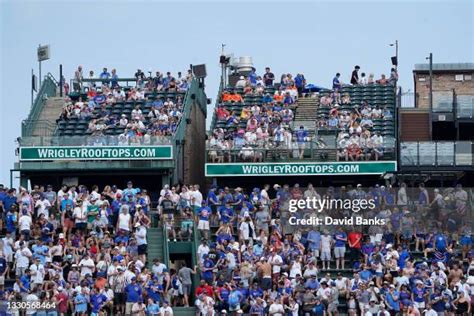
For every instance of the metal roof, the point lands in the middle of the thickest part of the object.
(445, 67)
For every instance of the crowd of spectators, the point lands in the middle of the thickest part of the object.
(264, 124)
(249, 128)
(81, 250)
(253, 262)
(85, 249)
(155, 112)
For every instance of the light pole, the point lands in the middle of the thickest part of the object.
(430, 58)
(396, 53)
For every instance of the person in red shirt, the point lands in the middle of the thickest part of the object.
(61, 301)
(354, 239)
(204, 287)
(222, 113)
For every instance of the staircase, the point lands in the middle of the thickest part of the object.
(46, 122)
(306, 113)
(155, 244)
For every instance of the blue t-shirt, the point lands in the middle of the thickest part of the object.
(153, 291)
(314, 239)
(254, 293)
(225, 293)
(301, 134)
(418, 294)
(340, 243)
(134, 292)
(208, 264)
(8, 201)
(11, 222)
(97, 300)
(81, 303)
(153, 309)
(212, 198)
(3, 265)
(226, 213)
(318, 309)
(395, 305)
(204, 213)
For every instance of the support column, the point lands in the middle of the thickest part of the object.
(23, 180)
(165, 179)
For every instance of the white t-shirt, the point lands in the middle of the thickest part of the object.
(197, 196)
(37, 273)
(124, 220)
(85, 265)
(80, 213)
(275, 260)
(326, 242)
(276, 310)
(43, 207)
(22, 257)
(141, 235)
(25, 222)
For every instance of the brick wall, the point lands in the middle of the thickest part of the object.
(441, 82)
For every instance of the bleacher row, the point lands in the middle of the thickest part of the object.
(236, 107)
(76, 126)
(375, 95)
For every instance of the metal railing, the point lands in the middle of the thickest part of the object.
(432, 154)
(94, 140)
(313, 151)
(48, 89)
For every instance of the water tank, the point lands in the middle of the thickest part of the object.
(245, 65)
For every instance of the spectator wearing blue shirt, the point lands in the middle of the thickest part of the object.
(152, 308)
(314, 242)
(208, 267)
(336, 84)
(392, 299)
(301, 138)
(300, 82)
(80, 301)
(133, 292)
(114, 79)
(226, 213)
(97, 301)
(9, 200)
(340, 247)
(105, 75)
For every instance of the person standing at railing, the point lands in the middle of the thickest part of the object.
(114, 79)
(301, 138)
(78, 79)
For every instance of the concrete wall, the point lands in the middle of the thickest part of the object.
(442, 81)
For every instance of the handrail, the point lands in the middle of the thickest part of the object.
(166, 254)
(437, 154)
(48, 89)
(312, 152)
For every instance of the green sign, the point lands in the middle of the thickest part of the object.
(299, 168)
(68, 153)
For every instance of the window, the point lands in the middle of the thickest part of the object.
(459, 77)
(467, 77)
(421, 79)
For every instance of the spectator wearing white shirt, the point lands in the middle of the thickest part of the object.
(22, 258)
(25, 223)
(37, 272)
(86, 265)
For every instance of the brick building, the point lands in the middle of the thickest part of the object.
(449, 81)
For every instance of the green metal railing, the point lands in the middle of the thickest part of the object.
(166, 251)
(93, 140)
(48, 89)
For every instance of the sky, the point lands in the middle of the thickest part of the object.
(316, 38)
